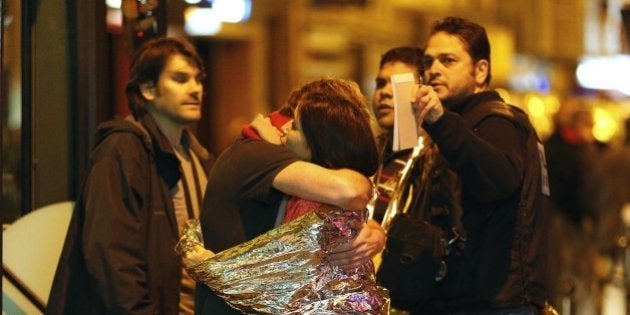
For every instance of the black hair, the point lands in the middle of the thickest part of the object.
(472, 35)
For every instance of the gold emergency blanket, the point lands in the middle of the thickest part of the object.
(284, 270)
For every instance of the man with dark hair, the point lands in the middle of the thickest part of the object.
(395, 61)
(425, 195)
(498, 161)
(146, 177)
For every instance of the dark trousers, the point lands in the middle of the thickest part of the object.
(520, 310)
(208, 303)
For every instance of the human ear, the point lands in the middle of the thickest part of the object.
(481, 71)
(147, 89)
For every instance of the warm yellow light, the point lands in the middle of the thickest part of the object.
(543, 126)
(605, 126)
(505, 95)
(536, 106)
(552, 104)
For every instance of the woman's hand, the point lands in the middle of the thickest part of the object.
(266, 130)
(196, 255)
(369, 242)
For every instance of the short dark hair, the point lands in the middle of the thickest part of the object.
(409, 55)
(472, 35)
(149, 61)
(336, 125)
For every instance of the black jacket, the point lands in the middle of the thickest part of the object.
(504, 217)
(118, 257)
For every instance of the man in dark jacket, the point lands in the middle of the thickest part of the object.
(146, 177)
(493, 150)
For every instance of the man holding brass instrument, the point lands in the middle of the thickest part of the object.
(491, 166)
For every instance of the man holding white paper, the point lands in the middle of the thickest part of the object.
(499, 162)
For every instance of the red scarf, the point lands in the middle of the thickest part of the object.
(277, 120)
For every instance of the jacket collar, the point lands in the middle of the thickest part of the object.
(468, 103)
(168, 165)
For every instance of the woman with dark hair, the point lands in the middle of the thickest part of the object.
(338, 136)
(292, 268)
(332, 129)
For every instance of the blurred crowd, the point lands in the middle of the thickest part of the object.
(590, 189)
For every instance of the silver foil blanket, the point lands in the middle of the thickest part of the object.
(284, 270)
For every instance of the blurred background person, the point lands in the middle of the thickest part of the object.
(571, 158)
(571, 154)
(610, 187)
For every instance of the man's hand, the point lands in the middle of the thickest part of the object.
(369, 242)
(425, 104)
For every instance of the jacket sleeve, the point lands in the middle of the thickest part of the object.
(114, 235)
(488, 158)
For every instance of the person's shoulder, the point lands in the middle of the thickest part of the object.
(119, 127)
(485, 109)
(119, 124)
(495, 107)
(247, 159)
(254, 153)
(491, 105)
(255, 147)
(121, 135)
